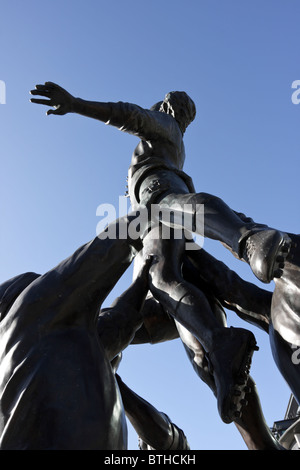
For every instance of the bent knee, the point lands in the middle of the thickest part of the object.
(206, 198)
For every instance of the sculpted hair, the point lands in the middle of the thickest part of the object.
(181, 107)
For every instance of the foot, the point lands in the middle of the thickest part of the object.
(266, 251)
(230, 365)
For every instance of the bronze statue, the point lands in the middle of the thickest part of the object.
(219, 286)
(58, 390)
(279, 311)
(284, 329)
(276, 313)
(244, 298)
(156, 177)
(47, 307)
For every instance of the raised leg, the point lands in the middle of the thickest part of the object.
(263, 248)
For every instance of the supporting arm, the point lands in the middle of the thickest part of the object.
(117, 325)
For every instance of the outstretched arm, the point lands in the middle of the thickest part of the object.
(127, 117)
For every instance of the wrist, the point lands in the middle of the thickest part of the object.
(75, 105)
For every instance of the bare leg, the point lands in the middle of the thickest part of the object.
(228, 350)
(249, 301)
(252, 425)
(265, 249)
(251, 422)
(154, 428)
(179, 298)
(220, 222)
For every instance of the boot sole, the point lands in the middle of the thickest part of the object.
(235, 402)
(283, 248)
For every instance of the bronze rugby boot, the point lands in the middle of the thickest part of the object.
(265, 250)
(229, 363)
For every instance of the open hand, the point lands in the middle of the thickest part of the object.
(57, 96)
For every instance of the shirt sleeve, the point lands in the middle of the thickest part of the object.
(143, 123)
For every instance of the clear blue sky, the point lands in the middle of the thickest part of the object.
(237, 60)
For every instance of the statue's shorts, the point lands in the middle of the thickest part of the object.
(157, 184)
